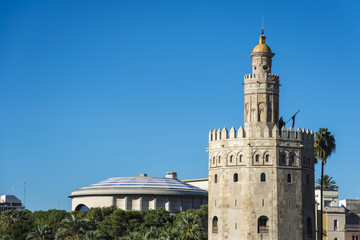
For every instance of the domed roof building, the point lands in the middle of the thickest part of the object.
(262, 47)
(140, 193)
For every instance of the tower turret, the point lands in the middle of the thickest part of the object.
(261, 178)
(261, 88)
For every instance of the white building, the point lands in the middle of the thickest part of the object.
(10, 202)
(140, 193)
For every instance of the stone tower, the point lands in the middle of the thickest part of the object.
(261, 178)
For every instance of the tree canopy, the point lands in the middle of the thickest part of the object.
(328, 183)
(106, 223)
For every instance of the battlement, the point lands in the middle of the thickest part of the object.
(224, 134)
(268, 76)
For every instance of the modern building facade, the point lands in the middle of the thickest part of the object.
(261, 178)
(140, 193)
(339, 222)
(10, 202)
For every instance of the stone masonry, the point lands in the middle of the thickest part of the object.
(261, 178)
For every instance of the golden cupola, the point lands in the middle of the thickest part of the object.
(262, 47)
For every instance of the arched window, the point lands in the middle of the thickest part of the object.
(263, 224)
(282, 159)
(219, 159)
(267, 157)
(231, 158)
(309, 226)
(263, 177)
(236, 177)
(215, 178)
(289, 178)
(213, 160)
(257, 158)
(335, 238)
(240, 158)
(215, 225)
(291, 160)
(336, 225)
(81, 207)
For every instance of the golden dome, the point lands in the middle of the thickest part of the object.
(262, 47)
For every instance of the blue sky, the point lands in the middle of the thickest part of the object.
(97, 89)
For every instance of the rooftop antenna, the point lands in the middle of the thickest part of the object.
(24, 193)
(262, 25)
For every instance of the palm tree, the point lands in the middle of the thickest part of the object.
(324, 146)
(133, 236)
(170, 234)
(328, 183)
(91, 235)
(40, 232)
(153, 233)
(71, 228)
(189, 226)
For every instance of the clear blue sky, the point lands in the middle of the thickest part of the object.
(97, 89)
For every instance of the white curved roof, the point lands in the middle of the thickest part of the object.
(140, 185)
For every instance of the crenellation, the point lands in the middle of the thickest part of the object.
(292, 133)
(305, 136)
(284, 133)
(268, 76)
(224, 134)
(299, 134)
(275, 132)
(218, 134)
(232, 133)
(241, 132)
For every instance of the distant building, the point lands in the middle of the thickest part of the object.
(202, 183)
(351, 204)
(140, 193)
(10, 202)
(339, 222)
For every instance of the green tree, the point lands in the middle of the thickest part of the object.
(324, 146)
(91, 235)
(153, 233)
(133, 236)
(328, 183)
(52, 218)
(15, 224)
(170, 234)
(156, 218)
(71, 228)
(189, 226)
(40, 232)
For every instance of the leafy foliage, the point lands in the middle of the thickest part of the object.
(40, 232)
(15, 224)
(107, 223)
(328, 183)
(71, 228)
(324, 145)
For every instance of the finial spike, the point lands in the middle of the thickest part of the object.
(262, 25)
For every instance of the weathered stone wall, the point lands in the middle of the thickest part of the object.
(239, 204)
